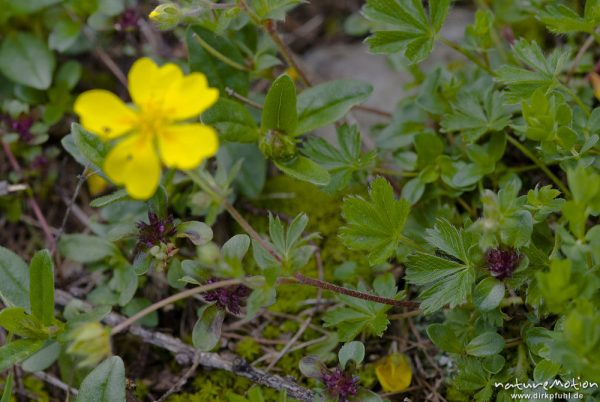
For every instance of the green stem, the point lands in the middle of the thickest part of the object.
(577, 99)
(467, 54)
(219, 55)
(539, 164)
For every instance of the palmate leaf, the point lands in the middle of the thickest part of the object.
(446, 281)
(361, 315)
(375, 225)
(476, 114)
(562, 19)
(541, 72)
(343, 161)
(409, 29)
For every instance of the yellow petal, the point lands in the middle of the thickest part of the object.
(394, 372)
(149, 83)
(133, 162)
(103, 113)
(96, 184)
(184, 146)
(189, 97)
(595, 79)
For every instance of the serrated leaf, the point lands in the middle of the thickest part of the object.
(279, 110)
(562, 19)
(375, 225)
(541, 72)
(409, 29)
(106, 383)
(446, 281)
(476, 114)
(343, 161)
(326, 103)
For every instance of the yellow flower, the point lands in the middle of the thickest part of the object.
(595, 80)
(394, 372)
(163, 97)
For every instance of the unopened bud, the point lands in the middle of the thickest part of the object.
(91, 341)
(166, 16)
(277, 146)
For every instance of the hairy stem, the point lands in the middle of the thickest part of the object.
(353, 293)
(219, 55)
(467, 54)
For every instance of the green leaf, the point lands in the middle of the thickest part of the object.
(326, 103)
(14, 279)
(7, 393)
(64, 34)
(343, 161)
(475, 114)
(541, 72)
(304, 169)
(16, 351)
(444, 338)
(279, 111)
(43, 358)
(361, 315)
(207, 330)
(16, 321)
(199, 233)
(232, 120)
(41, 284)
(354, 351)
(28, 7)
(91, 146)
(488, 294)
(106, 383)
(219, 74)
(562, 19)
(108, 199)
(26, 60)
(261, 297)
(86, 248)
(487, 344)
(375, 225)
(446, 281)
(409, 29)
(450, 240)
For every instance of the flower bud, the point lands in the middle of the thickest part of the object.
(502, 263)
(277, 146)
(90, 340)
(166, 16)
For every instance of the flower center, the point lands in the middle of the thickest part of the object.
(152, 119)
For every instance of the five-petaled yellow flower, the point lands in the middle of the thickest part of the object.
(152, 128)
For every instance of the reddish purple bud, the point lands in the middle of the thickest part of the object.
(21, 125)
(340, 385)
(502, 263)
(156, 231)
(228, 298)
(128, 20)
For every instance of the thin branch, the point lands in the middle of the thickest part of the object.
(582, 50)
(183, 380)
(31, 201)
(172, 299)
(561, 186)
(242, 98)
(80, 180)
(50, 379)
(270, 29)
(291, 343)
(184, 355)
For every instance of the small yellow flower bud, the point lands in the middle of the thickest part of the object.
(91, 341)
(394, 372)
(166, 16)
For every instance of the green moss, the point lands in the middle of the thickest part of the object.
(215, 386)
(248, 348)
